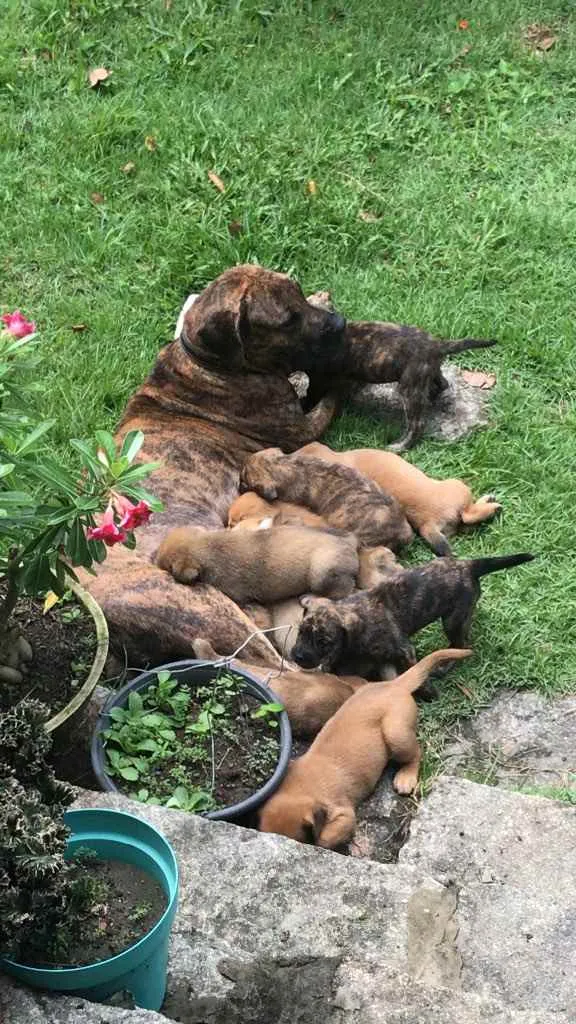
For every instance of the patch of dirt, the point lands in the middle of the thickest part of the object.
(64, 644)
(132, 902)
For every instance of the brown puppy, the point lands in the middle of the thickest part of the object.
(343, 497)
(310, 698)
(262, 565)
(434, 508)
(372, 628)
(317, 800)
(250, 509)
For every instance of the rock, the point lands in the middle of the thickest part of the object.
(26, 1006)
(459, 410)
(511, 860)
(520, 740)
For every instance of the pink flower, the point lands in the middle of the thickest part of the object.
(137, 516)
(132, 515)
(17, 325)
(108, 531)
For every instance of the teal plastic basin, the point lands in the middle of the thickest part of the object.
(141, 968)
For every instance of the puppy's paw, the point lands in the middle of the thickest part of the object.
(490, 499)
(406, 780)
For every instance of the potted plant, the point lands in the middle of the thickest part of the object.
(51, 520)
(88, 896)
(196, 736)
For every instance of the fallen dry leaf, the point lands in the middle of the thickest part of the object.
(321, 299)
(368, 217)
(464, 689)
(98, 75)
(217, 181)
(312, 187)
(235, 228)
(97, 197)
(150, 143)
(463, 24)
(50, 600)
(540, 37)
(128, 168)
(78, 328)
(479, 379)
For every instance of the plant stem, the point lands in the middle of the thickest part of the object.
(11, 597)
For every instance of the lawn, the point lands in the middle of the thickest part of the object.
(420, 168)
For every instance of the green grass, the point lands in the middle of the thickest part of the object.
(467, 160)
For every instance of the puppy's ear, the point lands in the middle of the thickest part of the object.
(220, 335)
(309, 602)
(313, 824)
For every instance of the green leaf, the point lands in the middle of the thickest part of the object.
(77, 546)
(138, 472)
(163, 676)
(135, 702)
(34, 436)
(89, 457)
(106, 441)
(6, 468)
(132, 444)
(130, 773)
(149, 745)
(15, 498)
(118, 714)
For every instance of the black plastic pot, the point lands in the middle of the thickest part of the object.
(197, 673)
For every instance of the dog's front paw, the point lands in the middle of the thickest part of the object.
(406, 780)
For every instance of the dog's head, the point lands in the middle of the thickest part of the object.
(249, 508)
(322, 635)
(258, 473)
(250, 318)
(295, 816)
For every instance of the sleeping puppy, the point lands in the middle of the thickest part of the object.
(310, 698)
(316, 802)
(249, 510)
(343, 497)
(372, 628)
(434, 508)
(262, 565)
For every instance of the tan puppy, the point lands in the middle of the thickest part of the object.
(317, 800)
(250, 509)
(262, 565)
(310, 698)
(434, 508)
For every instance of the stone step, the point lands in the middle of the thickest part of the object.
(474, 924)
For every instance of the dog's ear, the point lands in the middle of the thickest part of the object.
(221, 335)
(310, 601)
(259, 480)
(313, 824)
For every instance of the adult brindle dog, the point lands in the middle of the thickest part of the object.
(216, 395)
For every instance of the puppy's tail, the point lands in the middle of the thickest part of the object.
(450, 348)
(483, 566)
(417, 675)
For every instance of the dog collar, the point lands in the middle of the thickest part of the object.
(184, 341)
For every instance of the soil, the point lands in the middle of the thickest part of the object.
(64, 644)
(244, 757)
(132, 903)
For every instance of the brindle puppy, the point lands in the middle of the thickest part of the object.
(389, 352)
(372, 628)
(344, 498)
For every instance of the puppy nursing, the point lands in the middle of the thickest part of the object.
(317, 800)
(262, 565)
(434, 508)
(344, 498)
